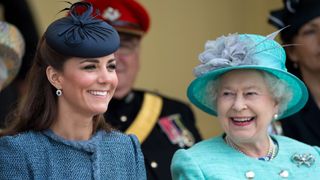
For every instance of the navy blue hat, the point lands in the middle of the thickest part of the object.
(81, 34)
(294, 14)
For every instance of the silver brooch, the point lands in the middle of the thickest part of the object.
(303, 159)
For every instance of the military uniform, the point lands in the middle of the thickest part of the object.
(162, 125)
(161, 142)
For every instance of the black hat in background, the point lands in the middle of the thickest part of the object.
(294, 14)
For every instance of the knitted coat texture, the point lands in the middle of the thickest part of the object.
(213, 159)
(44, 155)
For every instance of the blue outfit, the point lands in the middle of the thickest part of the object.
(214, 159)
(44, 155)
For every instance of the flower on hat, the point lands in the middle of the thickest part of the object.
(223, 52)
(231, 50)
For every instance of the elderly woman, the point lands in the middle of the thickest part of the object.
(303, 19)
(59, 131)
(242, 80)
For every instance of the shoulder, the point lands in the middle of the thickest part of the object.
(14, 152)
(126, 148)
(190, 163)
(203, 148)
(121, 140)
(20, 140)
(294, 145)
(116, 135)
(287, 141)
(26, 143)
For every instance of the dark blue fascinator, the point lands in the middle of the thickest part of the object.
(81, 34)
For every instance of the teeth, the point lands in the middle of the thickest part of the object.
(241, 119)
(98, 93)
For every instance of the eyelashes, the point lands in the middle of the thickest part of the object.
(110, 67)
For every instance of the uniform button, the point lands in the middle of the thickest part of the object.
(284, 174)
(123, 118)
(250, 174)
(154, 164)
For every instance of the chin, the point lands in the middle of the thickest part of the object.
(99, 110)
(243, 135)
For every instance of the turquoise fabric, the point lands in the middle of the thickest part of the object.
(213, 159)
(44, 155)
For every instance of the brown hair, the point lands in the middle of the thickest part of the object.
(38, 108)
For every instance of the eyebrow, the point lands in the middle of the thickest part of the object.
(246, 88)
(112, 60)
(96, 60)
(89, 60)
(313, 24)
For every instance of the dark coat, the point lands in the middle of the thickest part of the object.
(304, 126)
(157, 148)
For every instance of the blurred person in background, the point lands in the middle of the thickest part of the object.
(18, 13)
(302, 35)
(12, 48)
(162, 124)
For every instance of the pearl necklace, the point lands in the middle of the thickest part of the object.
(272, 151)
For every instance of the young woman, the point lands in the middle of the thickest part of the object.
(59, 131)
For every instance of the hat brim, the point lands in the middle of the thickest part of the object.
(129, 31)
(197, 92)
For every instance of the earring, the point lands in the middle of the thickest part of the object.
(275, 116)
(295, 65)
(58, 92)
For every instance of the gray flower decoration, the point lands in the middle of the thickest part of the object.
(223, 52)
(303, 159)
(227, 51)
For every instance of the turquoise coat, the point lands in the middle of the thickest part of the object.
(214, 159)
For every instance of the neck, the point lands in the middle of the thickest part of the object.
(121, 93)
(312, 80)
(73, 127)
(256, 149)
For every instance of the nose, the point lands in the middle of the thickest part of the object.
(105, 76)
(239, 103)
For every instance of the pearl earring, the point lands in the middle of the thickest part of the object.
(275, 116)
(58, 92)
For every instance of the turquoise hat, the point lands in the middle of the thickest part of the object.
(243, 51)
